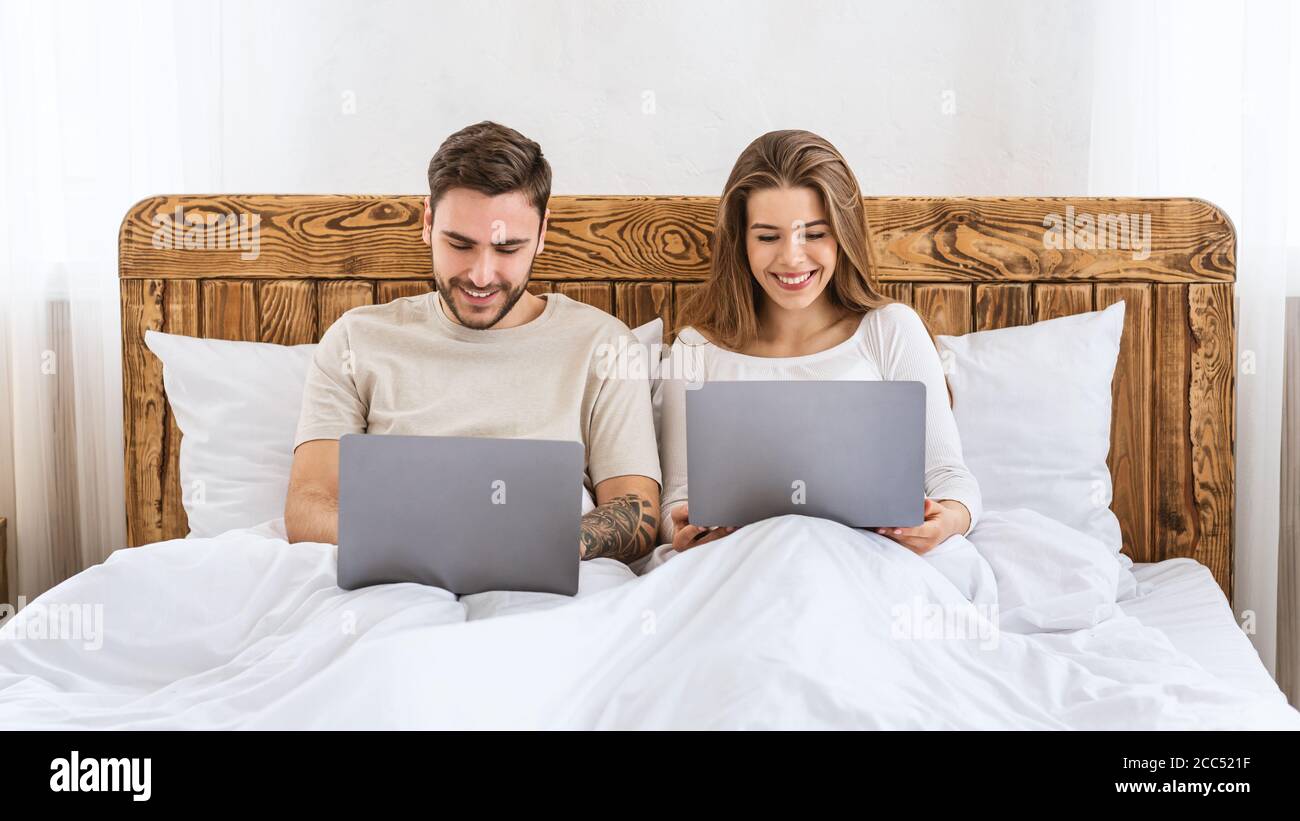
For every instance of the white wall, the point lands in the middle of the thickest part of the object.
(871, 77)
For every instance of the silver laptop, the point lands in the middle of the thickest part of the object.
(466, 514)
(851, 451)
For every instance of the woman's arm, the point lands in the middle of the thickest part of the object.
(672, 436)
(963, 520)
(905, 352)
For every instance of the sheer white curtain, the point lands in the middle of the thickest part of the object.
(100, 99)
(1202, 99)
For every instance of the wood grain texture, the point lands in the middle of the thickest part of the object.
(963, 264)
(945, 308)
(597, 294)
(336, 297)
(901, 291)
(683, 293)
(1005, 239)
(144, 409)
(287, 312)
(637, 303)
(1212, 424)
(1052, 300)
(1002, 306)
(229, 309)
(1131, 415)
(180, 316)
(961, 239)
(1175, 531)
(388, 290)
(627, 238)
(1193, 427)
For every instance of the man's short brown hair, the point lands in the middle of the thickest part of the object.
(492, 159)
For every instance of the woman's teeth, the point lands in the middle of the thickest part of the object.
(795, 279)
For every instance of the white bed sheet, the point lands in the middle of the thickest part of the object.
(786, 626)
(1182, 600)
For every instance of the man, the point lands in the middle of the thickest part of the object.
(483, 356)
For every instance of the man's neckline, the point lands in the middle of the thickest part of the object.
(489, 335)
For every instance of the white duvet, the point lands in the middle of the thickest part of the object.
(789, 623)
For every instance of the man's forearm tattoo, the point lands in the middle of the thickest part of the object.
(623, 528)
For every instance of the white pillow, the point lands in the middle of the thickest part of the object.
(237, 406)
(1033, 407)
(650, 334)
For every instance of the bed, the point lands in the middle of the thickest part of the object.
(244, 630)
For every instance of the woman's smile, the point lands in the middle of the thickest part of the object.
(794, 280)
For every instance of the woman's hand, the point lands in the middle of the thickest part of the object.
(943, 518)
(686, 536)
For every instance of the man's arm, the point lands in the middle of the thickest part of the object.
(625, 522)
(311, 510)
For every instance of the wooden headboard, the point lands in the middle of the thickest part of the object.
(964, 263)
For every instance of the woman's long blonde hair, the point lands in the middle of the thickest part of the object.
(725, 309)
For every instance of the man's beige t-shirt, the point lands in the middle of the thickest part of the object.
(405, 367)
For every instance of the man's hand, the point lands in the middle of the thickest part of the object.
(686, 535)
(625, 522)
(943, 518)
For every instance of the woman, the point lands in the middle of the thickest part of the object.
(791, 296)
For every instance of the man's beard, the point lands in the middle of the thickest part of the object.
(449, 299)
